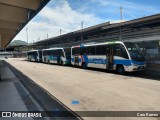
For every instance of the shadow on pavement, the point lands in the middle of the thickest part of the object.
(147, 74)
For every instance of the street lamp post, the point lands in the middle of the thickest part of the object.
(27, 34)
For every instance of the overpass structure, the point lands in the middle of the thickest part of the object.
(14, 15)
(145, 31)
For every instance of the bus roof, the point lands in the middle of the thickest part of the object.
(33, 50)
(5, 52)
(52, 49)
(103, 43)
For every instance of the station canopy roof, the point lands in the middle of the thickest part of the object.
(14, 15)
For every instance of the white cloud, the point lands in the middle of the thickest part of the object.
(59, 14)
(51, 19)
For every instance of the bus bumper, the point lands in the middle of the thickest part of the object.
(135, 68)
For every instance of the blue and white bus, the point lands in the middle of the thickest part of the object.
(109, 55)
(60, 56)
(34, 55)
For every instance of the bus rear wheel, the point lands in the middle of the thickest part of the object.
(120, 69)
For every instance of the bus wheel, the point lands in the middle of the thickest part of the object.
(120, 69)
(84, 66)
(48, 62)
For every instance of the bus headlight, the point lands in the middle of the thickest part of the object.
(134, 64)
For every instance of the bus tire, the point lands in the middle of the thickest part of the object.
(84, 66)
(120, 69)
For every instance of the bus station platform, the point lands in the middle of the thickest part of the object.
(75, 89)
(10, 94)
(16, 97)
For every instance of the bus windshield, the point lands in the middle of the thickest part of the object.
(135, 52)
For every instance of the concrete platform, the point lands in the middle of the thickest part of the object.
(10, 99)
(25, 97)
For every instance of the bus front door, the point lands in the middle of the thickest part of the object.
(109, 57)
(76, 60)
(58, 59)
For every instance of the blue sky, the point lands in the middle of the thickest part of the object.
(110, 9)
(68, 14)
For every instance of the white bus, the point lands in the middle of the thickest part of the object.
(60, 56)
(109, 55)
(34, 55)
(6, 55)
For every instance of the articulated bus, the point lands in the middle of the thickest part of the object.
(34, 55)
(109, 55)
(60, 56)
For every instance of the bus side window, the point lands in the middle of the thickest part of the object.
(46, 52)
(107, 50)
(57, 52)
(49, 52)
(91, 50)
(83, 51)
(101, 50)
(75, 51)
